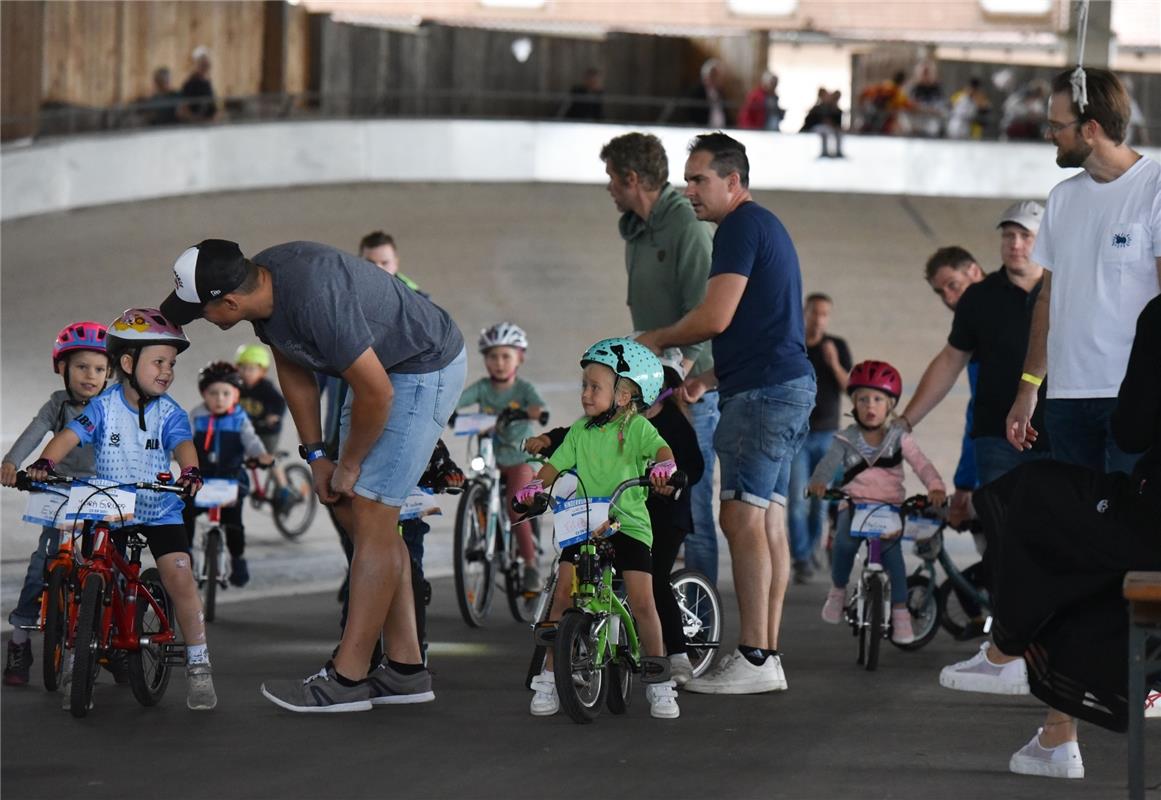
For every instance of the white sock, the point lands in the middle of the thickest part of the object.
(197, 654)
(19, 636)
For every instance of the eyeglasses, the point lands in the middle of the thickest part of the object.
(1057, 127)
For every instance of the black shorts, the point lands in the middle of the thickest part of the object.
(628, 553)
(163, 539)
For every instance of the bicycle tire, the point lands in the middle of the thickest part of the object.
(580, 683)
(523, 608)
(294, 519)
(925, 609)
(56, 603)
(211, 555)
(148, 670)
(701, 616)
(873, 617)
(956, 619)
(88, 642)
(619, 676)
(474, 572)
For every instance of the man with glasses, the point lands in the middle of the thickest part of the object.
(1100, 244)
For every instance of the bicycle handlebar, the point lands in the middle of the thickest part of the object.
(915, 503)
(542, 501)
(26, 484)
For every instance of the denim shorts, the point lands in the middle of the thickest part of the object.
(419, 411)
(757, 437)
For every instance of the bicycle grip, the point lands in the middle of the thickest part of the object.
(678, 480)
(538, 505)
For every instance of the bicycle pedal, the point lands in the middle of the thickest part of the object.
(173, 655)
(544, 634)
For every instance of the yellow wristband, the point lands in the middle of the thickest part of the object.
(1032, 379)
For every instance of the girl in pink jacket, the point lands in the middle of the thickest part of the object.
(872, 470)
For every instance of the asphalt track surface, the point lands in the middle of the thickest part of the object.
(838, 731)
(548, 257)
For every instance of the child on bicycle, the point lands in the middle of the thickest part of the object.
(133, 428)
(224, 439)
(79, 357)
(503, 346)
(265, 406)
(872, 470)
(613, 443)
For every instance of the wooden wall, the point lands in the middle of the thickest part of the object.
(20, 65)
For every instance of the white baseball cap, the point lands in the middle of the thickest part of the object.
(1026, 213)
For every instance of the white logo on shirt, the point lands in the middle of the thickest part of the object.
(1102, 506)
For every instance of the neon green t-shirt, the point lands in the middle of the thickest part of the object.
(601, 464)
(521, 395)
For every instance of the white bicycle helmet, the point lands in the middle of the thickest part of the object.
(503, 334)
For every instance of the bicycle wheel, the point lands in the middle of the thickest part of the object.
(923, 605)
(873, 619)
(87, 645)
(522, 606)
(148, 670)
(56, 603)
(580, 681)
(619, 674)
(212, 555)
(293, 517)
(473, 569)
(962, 617)
(701, 616)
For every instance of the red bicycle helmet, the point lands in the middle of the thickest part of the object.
(876, 375)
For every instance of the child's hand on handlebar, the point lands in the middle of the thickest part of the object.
(526, 493)
(816, 490)
(937, 497)
(190, 480)
(536, 444)
(659, 475)
(266, 459)
(41, 469)
(8, 474)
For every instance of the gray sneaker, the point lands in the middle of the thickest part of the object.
(389, 687)
(199, 693)
(318, 694)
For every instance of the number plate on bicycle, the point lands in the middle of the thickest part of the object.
(573, 520)
(87, 501)
(217, 492)
(420, 503)
(873, 520)
(44, 508)
(474, 424)
(920, 528)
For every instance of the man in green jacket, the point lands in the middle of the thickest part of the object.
(667, 256)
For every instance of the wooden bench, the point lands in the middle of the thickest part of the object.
(1143, 591)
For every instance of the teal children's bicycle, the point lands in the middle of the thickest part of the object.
(595, 646)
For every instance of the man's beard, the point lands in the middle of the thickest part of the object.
(1074, 157)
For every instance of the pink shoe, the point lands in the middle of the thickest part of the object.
(832, 610)
(901, 631)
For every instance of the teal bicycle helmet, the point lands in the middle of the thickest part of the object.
(629, 359)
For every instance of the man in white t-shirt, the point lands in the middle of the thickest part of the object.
(1100, 244)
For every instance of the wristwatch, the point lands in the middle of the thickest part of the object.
(312, 452)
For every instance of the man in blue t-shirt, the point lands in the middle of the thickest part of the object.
(753, 312)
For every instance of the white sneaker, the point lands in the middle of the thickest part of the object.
(735, 675)
(199, 693)
(1153, 705)
(662, 699)
(681, 670)
(978, 674)
(545, 702)
(832, 609)
(1062, 761)
(901, 630)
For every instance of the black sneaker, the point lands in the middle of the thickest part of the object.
(239, 572)
(18, 665)
(389, 687)
(318, 694)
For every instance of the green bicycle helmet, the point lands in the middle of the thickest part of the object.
(629, 359)
(252, 354)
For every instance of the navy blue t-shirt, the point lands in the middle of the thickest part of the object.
(765, 343)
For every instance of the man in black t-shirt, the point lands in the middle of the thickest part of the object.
(198, 91)
(831, 359)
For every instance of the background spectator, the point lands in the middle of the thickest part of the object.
(586, 99)
(880, 105)
(826, 119)
(198, 91)
(1025, 112)
(160, 108)
(970, 109)
(928, 103)
(708, 106)
(761, 111)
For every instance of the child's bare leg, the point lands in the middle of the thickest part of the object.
(177, 577)
(639, 586)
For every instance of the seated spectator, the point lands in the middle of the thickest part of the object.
(586, 98)
(160, 108)
(880, 105)
(970, 109)
(928, 103)
(761, 111)
(826, 119)
(200, 105)
(1025, 113)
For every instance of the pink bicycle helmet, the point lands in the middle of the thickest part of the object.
(876, 375)
(135, 328)
(78, 336)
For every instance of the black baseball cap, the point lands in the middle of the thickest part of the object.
(210, 269)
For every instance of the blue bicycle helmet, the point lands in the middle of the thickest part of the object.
(632, 360)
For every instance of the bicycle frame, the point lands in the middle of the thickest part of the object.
(213, 520)
(483, 469)
(593, 594)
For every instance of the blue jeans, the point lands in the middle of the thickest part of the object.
(757, 437)
(1081, 434)
(804, 515)
(846, 547)
(995, 457)
(701, 546)
(27, 611)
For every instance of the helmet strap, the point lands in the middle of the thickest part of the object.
(143, 399)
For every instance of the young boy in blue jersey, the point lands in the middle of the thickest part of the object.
(225, 438)
(133, 428)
